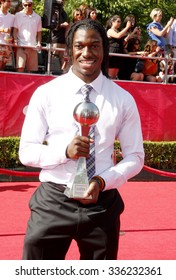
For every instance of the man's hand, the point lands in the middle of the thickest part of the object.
(79, 147)
(38, 46)
(93, 191)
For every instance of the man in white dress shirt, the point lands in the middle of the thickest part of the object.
(50, 141)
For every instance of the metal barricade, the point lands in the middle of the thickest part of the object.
(46, 60)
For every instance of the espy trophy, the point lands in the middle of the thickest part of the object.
(87, 114)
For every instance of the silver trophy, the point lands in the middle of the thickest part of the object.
(87, 114)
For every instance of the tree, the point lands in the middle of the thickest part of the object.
(106, 8)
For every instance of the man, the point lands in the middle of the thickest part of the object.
(27, 33)
(94, 220)
(6, 25)
(58, 33)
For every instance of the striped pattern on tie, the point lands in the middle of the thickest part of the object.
(90, 161)
(86, 89)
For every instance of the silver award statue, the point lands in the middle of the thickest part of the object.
(86, 113)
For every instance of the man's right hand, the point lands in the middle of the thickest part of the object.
(79, 147)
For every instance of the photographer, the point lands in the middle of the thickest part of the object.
(134, 30)
(116, 37)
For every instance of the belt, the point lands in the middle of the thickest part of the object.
(174, 47)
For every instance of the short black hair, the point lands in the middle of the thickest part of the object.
(97, 26)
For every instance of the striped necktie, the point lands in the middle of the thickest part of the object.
(90, 161)
(86, 89)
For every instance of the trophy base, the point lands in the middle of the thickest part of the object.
(77, 191)
(80, 184)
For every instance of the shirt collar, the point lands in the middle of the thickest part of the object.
(24, 14)
(78, 83)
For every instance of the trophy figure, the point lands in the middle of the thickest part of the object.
(87, 114)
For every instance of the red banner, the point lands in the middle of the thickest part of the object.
(15, 93)
(157, 107)
(156, 104)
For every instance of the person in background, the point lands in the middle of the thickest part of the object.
(91, 13)
(134, 30)
(77, 15)
(168, 69)
(116, 43)
(128, 70)
(53, 143)
(156, 31)
(58, 36)
(6, 26)
(151, 66)
(27, 36)
(171, 40)
(131, 18)
(17, 8)
(83, 8)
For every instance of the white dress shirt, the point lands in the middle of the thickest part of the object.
(50, 118)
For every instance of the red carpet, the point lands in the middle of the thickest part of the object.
(148, 224)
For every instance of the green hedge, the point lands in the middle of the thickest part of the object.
(159, 155)
(9, 152)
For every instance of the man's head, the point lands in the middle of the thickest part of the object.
(27, 5)
(5, 3)
(87, 47)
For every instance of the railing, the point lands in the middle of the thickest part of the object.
(49, 49)
(166, 59)
(36, 173)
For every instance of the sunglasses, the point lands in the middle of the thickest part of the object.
(27, 5)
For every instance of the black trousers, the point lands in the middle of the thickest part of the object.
(56, 220)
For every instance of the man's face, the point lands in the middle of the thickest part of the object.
(87, 54)
(7, 4)
(27, 7)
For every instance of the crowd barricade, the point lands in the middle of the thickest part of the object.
(36, 173)
(48, 49)
(164, 58)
